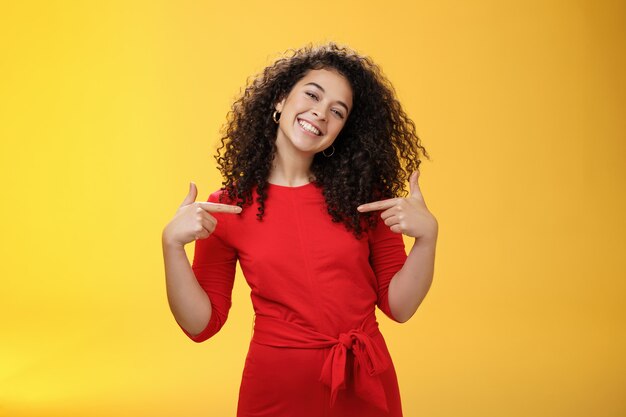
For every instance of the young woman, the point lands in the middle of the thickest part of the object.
(315, 155)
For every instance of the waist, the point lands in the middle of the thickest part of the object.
(372, 357)
(272, 331)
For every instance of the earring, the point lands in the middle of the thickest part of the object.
(276, 119)
(331, 154)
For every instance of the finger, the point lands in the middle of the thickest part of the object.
(209, 224)
(191, 195)
(202, 234)
(414, 188)
(396, 228)
(377, 205)
(390, 221)
(205, 215)
(218, 207)
(389, 212)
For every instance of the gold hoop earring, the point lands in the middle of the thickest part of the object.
(276, 119)
(331, 154)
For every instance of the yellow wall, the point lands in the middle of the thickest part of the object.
(109, 109)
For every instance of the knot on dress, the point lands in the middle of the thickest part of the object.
(346, 340)
(369, 361)
(369, 358)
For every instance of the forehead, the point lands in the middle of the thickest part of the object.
(335, 85)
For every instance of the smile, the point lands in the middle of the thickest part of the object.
(308, 127)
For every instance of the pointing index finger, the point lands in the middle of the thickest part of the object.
(377, 205)
(219, 207)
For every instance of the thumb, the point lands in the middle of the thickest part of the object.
(414, 188)
(191, 195)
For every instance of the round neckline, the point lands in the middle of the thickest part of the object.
(287, 187)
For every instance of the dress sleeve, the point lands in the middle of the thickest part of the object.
(387, 256)
(214, 265)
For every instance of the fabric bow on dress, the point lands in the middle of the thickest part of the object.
(369, 362)
(369, 359)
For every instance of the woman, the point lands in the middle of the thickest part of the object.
(314, 156)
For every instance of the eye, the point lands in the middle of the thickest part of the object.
(310, 95)
(338, 113)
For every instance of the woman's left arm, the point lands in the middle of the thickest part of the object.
(411, 217)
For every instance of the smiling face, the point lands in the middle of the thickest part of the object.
(313, 113)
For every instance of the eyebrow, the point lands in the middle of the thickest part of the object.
(323, 91)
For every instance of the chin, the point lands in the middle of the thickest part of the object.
(307, 150)
(303, 147)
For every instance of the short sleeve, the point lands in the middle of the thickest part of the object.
(214, 264)
(387, 256)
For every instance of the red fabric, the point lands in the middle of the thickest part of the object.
(316, 348)
(369, 359)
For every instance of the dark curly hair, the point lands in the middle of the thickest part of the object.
(375, 152)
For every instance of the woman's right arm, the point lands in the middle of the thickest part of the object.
(190, 289)
(188, 302)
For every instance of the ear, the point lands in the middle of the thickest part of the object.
(279, 105)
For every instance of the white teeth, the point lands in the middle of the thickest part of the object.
(308, 126)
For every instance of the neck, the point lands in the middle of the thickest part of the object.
(290, 167)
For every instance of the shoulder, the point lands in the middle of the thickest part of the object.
(219, 196)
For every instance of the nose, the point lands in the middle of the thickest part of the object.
(320, 113)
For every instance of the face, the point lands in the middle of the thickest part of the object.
(314, 112)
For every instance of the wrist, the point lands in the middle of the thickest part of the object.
(170, 244)
(430, 240)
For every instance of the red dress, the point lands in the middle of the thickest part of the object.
(316, 349)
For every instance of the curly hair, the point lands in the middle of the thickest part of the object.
(375, 151)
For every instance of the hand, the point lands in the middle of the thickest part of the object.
(193, 219)
(406, 215)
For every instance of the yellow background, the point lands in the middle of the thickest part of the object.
(109, 109)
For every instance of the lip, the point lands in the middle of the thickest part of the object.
(313, 124)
